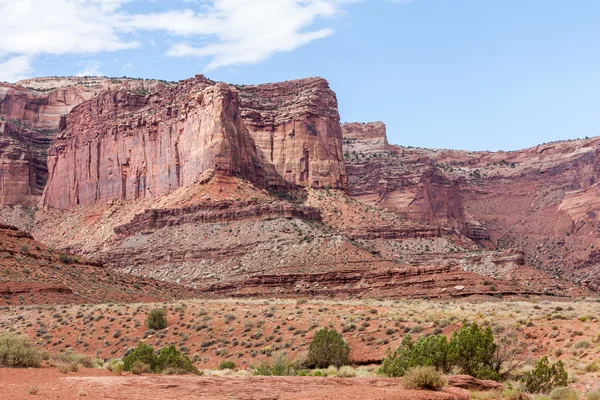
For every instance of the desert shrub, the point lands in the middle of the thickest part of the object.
(17, 351)
(115, 366)
(157, 319)
(280, 366)
(545, 377)
(171, 361)
(564, 393)
(140, 367)
(71, 358)
(327, 348)
(424, 378)
(427, 351)
(227, 365)
(346, 371)
(472, 349)
(396, 363)
(143, 353)
(65, 259)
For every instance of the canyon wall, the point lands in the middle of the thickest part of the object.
(128, 146)
(543, 200)
(30, 114)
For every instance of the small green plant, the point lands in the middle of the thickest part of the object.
(18, 352)
(427, 351)
(424, 378)
(327, 348)
(545, 377)
(143, 353)
(171, 361)
(65, 259)
(227, 365)
(157, 319)
(472, 349)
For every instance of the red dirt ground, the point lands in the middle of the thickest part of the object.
(95, 384)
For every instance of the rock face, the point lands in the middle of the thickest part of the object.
(33, 110)
(23, 169)
(543, 200)
(127, 146)
(411, 186)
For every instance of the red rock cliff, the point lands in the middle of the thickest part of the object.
(128, 146)
(33, 110)
(543, 200)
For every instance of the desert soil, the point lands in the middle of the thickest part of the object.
(49, 383)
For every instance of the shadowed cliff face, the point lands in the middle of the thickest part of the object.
(33, 110)
(127, 146)
(23, 170)
(543, 200)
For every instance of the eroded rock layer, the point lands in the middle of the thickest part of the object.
(543, 201)
(128, 146)
(32, 111)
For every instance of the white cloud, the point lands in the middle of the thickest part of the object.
(15, 69)
(90, 68)
(222, 32)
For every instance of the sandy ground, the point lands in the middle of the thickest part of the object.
(49, 383)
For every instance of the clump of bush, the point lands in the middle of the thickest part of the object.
(472, 349)
(280, 366)
(157, 319)
(17, 351)
(169, 361)
(545, 377)
(327, 348)
(424, 378)
(227, 365)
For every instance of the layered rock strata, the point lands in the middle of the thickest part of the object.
(127, 146)
(543, 200)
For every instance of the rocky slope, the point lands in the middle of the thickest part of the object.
(30, 115)
(31, 273)
(542, 201)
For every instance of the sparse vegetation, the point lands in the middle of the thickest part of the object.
(157, 319)
(327, 348)
(17, 351)
(424, 378)
(545, 377)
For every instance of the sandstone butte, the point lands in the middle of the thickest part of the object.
(129, 146)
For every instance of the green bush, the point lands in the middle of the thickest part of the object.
(17, 351)
(171, 361)
(545, 377)
(143, 353)
(427, 351)
(157, 319)
(424, 378)
(472, 349)
(227, 365)
(327, 348)
(65, 259)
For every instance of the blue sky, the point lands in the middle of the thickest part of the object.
(468, 74)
